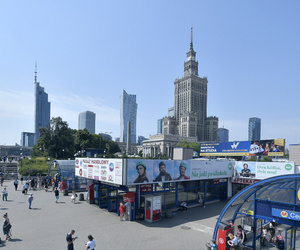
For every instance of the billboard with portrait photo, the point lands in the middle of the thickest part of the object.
(139, 171)
(163, 171)
(182, 170)
(245, 169)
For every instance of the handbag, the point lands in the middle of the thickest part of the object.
(8, 227)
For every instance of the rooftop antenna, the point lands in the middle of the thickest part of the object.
(35, 73)
(191, 44)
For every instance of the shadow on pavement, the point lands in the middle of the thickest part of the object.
(4, 208)
(36, 209)
(193, 214)
(15, 239)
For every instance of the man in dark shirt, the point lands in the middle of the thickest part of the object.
(70, 240)
(246, 171)
(163, 175)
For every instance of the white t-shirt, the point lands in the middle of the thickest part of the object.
(235, 241)
(91, 244)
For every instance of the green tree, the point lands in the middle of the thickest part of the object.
(57, 140)
(113, 147)
(183, 144)
(195, 146)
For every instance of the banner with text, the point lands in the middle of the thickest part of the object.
(272, 147)
(106, 170)
(262, 170)
(152, 171)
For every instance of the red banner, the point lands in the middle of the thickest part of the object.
(146, 188)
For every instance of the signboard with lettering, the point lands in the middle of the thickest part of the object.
(286, 214)
(272, 147)
(262, 170)
(146, 188)
(153, 171)
(106, 170)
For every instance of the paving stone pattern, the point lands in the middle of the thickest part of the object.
(46, 225)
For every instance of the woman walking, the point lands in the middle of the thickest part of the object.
(90, 245)
(6, 226)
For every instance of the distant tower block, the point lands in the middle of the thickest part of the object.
(128, 137)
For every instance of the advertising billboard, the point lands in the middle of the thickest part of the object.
(153, 171)
(272, 147)
(106, 170)
(262, 170)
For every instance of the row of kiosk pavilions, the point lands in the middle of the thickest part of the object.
(254, 204)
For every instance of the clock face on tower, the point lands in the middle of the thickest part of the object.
(189, 58)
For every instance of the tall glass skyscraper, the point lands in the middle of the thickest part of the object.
(42, 108)
(223, 135)
(87, 119)
(254, 129)
(128, 111)
(159, 126)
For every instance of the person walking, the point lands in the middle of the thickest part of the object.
(73, 197)
(4, 194)
(25, 188)
(30, 199)
(90, 245)
(70, 240)
(6, 226)
(16, 182)
(56, 193)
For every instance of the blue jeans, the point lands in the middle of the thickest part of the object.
(29, 203)
(4, 196)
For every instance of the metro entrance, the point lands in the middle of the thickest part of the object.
(275, 199)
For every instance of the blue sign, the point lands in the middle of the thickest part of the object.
(238, 148)
(286, 214)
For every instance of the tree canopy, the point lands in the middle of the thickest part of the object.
(59, 141)
(185, 144)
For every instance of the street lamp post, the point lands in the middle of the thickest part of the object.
(29, 164)
(40, 152)
(63, 153)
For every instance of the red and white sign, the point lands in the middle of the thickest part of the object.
(146, 188)
(215, 181)
(244, 181)
(108, 170)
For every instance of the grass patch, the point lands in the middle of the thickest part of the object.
(33, 166)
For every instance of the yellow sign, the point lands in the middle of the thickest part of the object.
(250, 212)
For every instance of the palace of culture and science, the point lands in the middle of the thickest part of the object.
(190, 121)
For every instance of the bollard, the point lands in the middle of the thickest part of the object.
(81, 197)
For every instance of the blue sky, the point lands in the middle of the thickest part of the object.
(89, 51)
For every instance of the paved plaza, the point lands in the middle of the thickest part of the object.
(46, 225)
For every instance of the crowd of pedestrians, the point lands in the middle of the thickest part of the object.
(39, 183)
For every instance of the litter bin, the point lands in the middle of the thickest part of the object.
(207, 246)
(168, 213)
(81, 197)
(66, 192)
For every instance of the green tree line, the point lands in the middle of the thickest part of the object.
(59, 141)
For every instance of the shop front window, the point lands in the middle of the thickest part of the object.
(212, 193)
(192, 196)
